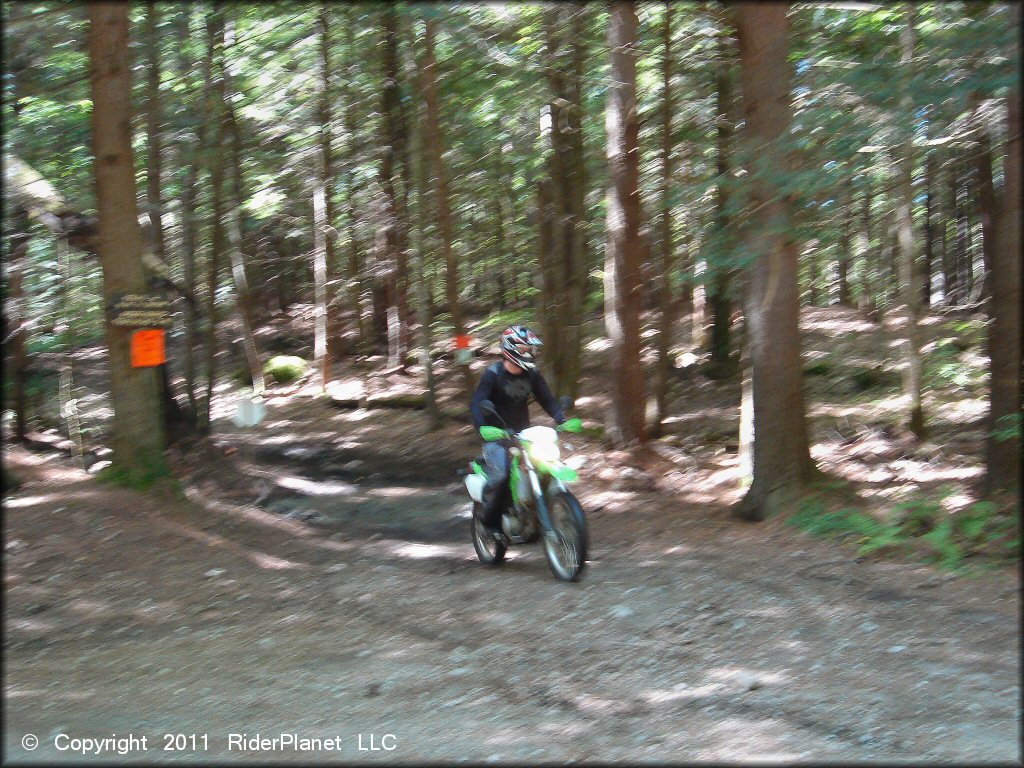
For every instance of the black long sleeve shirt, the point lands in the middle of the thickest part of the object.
(511, 397)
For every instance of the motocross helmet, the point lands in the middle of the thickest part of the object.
(518, 346)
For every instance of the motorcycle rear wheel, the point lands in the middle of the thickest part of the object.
(567, 554)
(489, 550)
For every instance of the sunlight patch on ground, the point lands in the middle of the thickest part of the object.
(678, 550)
(742, 675)
(599, 344)
(718, 413)
(29, 501)
(359, 414)
(837, 327)
(418, 551)
(683, 692)
(318, 487)
(921, 471)
(273, 563)
(399, 492)
(957, 502)
(962, 411)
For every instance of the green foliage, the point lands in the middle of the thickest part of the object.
(285, 368)
(498, 320)
(140, 476)
(946, 367)
(1008, 427)
(946, 539)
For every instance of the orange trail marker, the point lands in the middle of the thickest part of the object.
(147, 349)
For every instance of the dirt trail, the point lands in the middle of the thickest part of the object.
(690, 638)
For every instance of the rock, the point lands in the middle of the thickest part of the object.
(739, 624)
(868, 626)
(896, 649)
(748, 681)
(214, 573)
(14, 545)
(621, 611)
(337, 567)
(301, 453)
(353, 466)
(267, 642)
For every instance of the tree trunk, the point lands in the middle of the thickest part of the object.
(986, 206)
(666, 316)
(950, 240)
(439, 179)
(391, 243)
(719, 299)
(154, 198)
(929, 230)
(138, 430)
(781, 460)
(845, 243)
(910, 291)
(623, 250)
(189, 149)
(214, 152)
(423, 210)
(1003, 445)
(865, 298)
(323, 213)
(16, 317)
(358, 297)
(243, 298)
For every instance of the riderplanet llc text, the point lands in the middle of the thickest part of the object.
(365, 742)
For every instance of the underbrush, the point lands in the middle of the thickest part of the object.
(978, 536)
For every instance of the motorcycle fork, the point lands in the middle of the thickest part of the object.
(538, 496)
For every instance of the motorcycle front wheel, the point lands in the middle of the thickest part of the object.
(565, 546)
(489, 550)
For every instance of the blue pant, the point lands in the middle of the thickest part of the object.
(496, 468)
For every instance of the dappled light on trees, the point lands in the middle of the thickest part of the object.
(772, 250)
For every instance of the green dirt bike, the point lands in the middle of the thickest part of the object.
(541, 505)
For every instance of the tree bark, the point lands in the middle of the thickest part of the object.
(323, 213)
(138, 430)
(623, 249)
(435, 142)
(845, 243)
(564, 216)
(214, 161)
(391, 243)
(927, 266)
(1003, 445)
(666, 317)
(718, 292)
(243, 297)
(16, 318)
(154, 167)
(910, 290)
(358, 299)
(189, 150)
(423, 210)
(781, 458)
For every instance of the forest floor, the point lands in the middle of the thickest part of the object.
(314, 575)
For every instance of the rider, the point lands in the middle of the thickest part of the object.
(508, 384)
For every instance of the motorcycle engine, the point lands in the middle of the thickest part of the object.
(510, 525)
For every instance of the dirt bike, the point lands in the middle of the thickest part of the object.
(539, 504)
